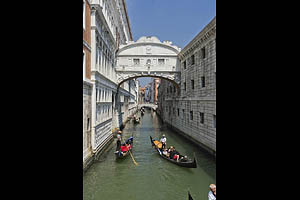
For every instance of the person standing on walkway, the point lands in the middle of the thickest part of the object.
(212, 193)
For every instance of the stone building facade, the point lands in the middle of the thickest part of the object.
(108, 105)
(87, 84)
(192, 109)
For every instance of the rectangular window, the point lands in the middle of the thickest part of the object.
(192, 59)
(184, 85)
(182, 113)
(161, 61)
(177, 111)
(215, 79)
(191, 115)
(184, 64)
(202, 81)
(192, 81)
(215, 121)
(203, 53)
(201, 118)
(136, 61)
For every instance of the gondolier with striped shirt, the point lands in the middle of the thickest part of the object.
(163, 141)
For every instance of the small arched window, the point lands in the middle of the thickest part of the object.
(148, 62)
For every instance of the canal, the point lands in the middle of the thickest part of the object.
(153, 177)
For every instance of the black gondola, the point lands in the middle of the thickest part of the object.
(122, 155)
(188, 163)
(189, 196)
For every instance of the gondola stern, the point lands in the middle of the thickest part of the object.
(195, 163)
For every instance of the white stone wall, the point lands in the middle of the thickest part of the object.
(87, 91)
(106, 34)
(175, 106)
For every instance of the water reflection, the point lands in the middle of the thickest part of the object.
(154, 177)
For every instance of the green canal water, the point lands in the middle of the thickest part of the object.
(154, 177)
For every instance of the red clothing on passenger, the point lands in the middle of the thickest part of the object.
(124, 148)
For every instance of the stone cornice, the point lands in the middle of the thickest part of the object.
(100, 78)
(87, 83)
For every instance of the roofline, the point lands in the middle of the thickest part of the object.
(199, 35)
(127, 18)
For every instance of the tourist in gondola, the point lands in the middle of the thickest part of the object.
(125, 148)
(212, 193)
(183, 158)
(174, 154)
(163, 140)
(165, 152)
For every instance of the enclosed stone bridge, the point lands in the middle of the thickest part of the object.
(148, 57)
(147, 105)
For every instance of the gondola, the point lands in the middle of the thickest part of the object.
(189, 196)
(122, 155)
(187, 164)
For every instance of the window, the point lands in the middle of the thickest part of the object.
(192, 59)
(202, 81)
(88, 124)
(161, 61)
(184, 85)
(177, 111)
(191, 115)
(182, 113)
(96, 95)
(215, 79)
(136, 61)
(201, 118)
(192, 81)
(184, 64)
(83, 60)
(215, 120)
(203, 53)
(83, 14)
(148, 62)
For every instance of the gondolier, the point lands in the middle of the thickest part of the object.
(163, 140)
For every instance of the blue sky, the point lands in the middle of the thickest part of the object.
(178, 21)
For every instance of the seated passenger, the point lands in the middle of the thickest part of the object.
(183, 159)
(165, 152)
